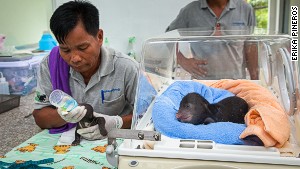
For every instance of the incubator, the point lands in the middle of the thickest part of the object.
(249, 63)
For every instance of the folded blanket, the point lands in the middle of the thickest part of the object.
(167, 104)
(265, 118)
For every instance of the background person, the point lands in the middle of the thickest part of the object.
(222, 60)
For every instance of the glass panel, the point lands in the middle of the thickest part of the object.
(228, 53)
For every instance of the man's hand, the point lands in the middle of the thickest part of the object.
(74, 115)
(192, 65)
(93, 132)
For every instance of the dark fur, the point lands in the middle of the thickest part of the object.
(196, 109)
(91, 120)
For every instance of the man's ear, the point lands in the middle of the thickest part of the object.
(100, 37)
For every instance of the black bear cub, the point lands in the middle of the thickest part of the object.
(195, 109)
(87, 121)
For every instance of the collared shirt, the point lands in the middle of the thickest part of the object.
(198, 14)
(111, 90)
(225, 58)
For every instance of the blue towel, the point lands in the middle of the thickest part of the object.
(146, 94)
(167, 105)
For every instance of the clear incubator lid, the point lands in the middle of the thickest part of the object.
(210, 55)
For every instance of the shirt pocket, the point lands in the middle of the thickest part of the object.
(114, 107)
(238, 23)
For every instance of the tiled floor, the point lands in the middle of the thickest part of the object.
(14, 127)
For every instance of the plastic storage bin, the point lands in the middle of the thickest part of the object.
(21, 75)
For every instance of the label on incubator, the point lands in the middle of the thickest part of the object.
(62, 100)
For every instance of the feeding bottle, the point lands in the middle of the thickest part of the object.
(62, 100)
(4, 88)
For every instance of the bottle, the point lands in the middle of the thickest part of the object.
(62, 100)
(130, 50)
(106, 42)
(47, 42)
(4, 88)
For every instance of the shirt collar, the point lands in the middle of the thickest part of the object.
(107, 61)
(231, 4)
(203, 4)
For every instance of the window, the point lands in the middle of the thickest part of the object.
(261, 12)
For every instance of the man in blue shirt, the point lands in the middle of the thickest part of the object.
(222, 60)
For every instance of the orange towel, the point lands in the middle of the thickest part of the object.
(265, 118)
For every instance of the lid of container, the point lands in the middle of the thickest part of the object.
(25, 63)
(16, 57)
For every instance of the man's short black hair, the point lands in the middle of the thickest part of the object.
(67, 16)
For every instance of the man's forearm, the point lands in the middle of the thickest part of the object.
(251, 56)
(47, 118)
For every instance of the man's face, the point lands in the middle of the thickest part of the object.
(82, 50)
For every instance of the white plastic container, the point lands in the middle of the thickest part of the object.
(3, 85)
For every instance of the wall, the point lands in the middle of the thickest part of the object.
(143, 19)
(23, 21)
(140, 18)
